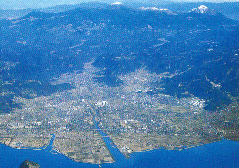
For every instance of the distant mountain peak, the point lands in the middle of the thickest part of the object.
(117, 3)
(200, 9)
(150, 8)
(162, 10)
(203, 10)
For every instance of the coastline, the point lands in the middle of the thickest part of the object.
(220, 152)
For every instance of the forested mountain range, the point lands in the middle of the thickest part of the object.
(199, 50)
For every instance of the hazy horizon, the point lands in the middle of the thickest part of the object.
(23, 4)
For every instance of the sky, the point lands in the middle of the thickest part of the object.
(21, 4)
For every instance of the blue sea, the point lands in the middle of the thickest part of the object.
(222, 154)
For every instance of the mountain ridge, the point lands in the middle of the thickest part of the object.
(68, 30)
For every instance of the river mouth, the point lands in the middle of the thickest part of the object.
(115, 152)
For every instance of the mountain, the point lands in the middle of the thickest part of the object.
(203, 10)
(199, 48)
(228, 9)
(13, 13)
(200, 9)
(17, 13)
(162, 10)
